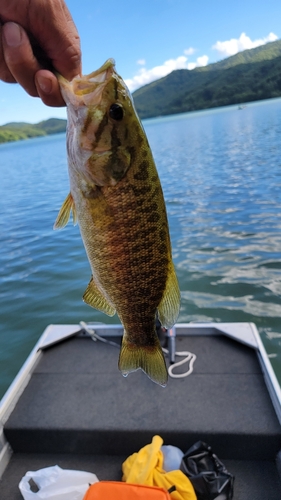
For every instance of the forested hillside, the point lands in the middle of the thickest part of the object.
(16, 131)
(248, 76)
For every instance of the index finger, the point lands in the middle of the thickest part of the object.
(48, 88)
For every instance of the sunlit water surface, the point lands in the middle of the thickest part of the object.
(221, 176)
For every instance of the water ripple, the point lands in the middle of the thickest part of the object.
(221, 178)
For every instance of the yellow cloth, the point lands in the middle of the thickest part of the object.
(146, 467)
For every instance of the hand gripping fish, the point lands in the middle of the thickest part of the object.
(116, 196)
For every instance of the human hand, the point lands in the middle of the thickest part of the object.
(38, 37)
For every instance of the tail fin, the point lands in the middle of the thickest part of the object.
(149, 358)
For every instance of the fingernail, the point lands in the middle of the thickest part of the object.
(12, 34)
(45, 84)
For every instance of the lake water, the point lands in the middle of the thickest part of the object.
(221, 176)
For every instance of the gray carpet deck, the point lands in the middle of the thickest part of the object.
(78, 411)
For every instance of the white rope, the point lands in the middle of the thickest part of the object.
(189, 357)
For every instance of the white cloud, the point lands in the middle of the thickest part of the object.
(189, 52)
(145, 76)
(202, 61)
(191, 65)
(225, 49)
(234, 45)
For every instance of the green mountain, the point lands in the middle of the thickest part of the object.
(247, 76)
(16, 131)
(53, 126)
(250, 75)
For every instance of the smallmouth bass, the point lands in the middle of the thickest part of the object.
(116, 197)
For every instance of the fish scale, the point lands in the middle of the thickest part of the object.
(116, 196)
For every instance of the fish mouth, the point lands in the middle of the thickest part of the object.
(87, 90)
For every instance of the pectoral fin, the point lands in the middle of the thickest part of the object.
(94, 297)
(64, 213)
(168, 309)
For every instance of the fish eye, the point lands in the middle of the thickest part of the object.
(116, 112)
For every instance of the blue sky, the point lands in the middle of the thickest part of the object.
(149, 38)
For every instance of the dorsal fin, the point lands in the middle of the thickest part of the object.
(168, 309)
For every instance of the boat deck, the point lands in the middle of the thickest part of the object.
(78, 411)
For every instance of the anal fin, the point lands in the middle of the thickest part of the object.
(94, 298)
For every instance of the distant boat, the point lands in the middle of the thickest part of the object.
(242, 106)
